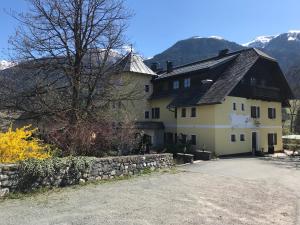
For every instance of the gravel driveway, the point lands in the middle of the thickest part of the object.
(226, 191)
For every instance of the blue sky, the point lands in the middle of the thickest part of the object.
(158, 24)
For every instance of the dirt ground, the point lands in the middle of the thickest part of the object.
(220, 192)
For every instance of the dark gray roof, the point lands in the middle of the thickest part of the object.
(133, 63)
(197, 66)
(230, 78)
(262, 54)
(235, 66)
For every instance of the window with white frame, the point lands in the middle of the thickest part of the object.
(233, 138)
(242, 137)
(271, 113)
(255, 112)
(272, 139)
(175, 84)
(187, 82)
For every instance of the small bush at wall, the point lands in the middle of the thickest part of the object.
(17, 145)
(53, 172)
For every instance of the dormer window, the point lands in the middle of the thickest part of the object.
(187, 82)
(175, 84)
(252, 81)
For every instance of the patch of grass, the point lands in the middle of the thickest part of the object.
(50, 190)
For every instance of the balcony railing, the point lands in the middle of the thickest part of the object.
(265, 92)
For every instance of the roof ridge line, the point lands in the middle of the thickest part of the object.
(212, 58)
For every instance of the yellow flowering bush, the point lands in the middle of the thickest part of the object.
(17, 145)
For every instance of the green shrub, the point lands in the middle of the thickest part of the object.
(52, 172)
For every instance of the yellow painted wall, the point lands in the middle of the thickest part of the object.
(198, 126)
(132, 87)
(225, 115)
(214, 124)
(167, 116)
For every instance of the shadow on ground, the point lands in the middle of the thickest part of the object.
(289, 162)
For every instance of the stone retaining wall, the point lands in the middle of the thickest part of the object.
(101, 168)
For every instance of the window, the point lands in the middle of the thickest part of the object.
(147, 115)
(272, 139)
(175, 113)
(175, 84)
(233, 139)
(147, 88)
(242, 107)
(255, 112)
(193, 140)
(187, 82)
(183, 112)
(234, 106)
(155, 113)
(271, 113)
(242, 137)
(193, 112)
(252, 81)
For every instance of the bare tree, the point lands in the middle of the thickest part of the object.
(292, 112)
(65, 50)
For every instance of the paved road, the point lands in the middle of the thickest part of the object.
(227, 191)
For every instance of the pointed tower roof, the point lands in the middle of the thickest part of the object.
(133, 63)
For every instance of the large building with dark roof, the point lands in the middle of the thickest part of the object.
(228, 104)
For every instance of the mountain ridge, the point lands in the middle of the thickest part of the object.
(285, 48)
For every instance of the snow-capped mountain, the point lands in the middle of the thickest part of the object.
(5, 64)
(264, 41)
(260, 41)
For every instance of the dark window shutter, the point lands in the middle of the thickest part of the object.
(258, 112)
(175, 112)
(157, 113)
(183, 112)
(194, 142)
(253, 112)
(193, 112)
(275, 139)
(270, 113)
(270, 139)
(274, 113)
